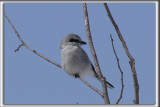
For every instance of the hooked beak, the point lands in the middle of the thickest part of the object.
(83, 43)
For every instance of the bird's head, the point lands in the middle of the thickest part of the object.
(72, 39)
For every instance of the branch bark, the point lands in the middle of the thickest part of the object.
(24, 44)
(119, 69)
(103, 79)
(54, 63)
(132, 60)
(91, 86)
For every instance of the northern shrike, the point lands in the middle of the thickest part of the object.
(74, 59)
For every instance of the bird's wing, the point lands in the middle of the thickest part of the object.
(94, 71)
(107, 83)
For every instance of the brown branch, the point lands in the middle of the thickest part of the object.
(119, 69)
(23, 43)
(132, 60)
(45, 57)
(103, 79)
(91, 86)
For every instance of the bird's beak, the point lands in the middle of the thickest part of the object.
(83, 43)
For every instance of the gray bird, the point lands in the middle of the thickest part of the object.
(74, 59)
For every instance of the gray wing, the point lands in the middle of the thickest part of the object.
(95, 71)
(107, 83)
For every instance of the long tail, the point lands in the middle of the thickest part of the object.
(109, 85)
(96, 76)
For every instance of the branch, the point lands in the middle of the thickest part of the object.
(23, 43)
(103, 79)
(54, 63)
(91, 86)
(132, 60)
(119, 69)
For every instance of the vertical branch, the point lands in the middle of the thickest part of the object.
(132, 60)
(119, 69)
(103, 79)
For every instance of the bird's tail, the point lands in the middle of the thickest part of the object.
(96, 76)
(109, 85)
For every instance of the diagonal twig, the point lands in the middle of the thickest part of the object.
(91, 86)
(119, 69)
(23, 43)
(54, 63)
(132, 60)
(103, 79)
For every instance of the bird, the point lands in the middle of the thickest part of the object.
(75, 61)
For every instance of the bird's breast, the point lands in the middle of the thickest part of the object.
(69, 56)
(74, 60)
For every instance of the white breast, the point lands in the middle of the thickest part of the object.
(75, 61)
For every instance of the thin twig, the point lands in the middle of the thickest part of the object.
(23, 43)
(103, 79)
(45, 57)
(119, 69)
(132, 60)
(91, 86)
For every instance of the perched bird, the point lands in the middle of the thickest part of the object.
(74, 59)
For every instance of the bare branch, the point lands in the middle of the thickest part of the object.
(132, 60)
(103, 79)
(91, 86)
(28, 46)
(119, 69)
(45, 57)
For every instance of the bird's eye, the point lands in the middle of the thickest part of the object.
(74, 40)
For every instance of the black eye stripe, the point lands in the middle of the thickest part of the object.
(74, 40)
